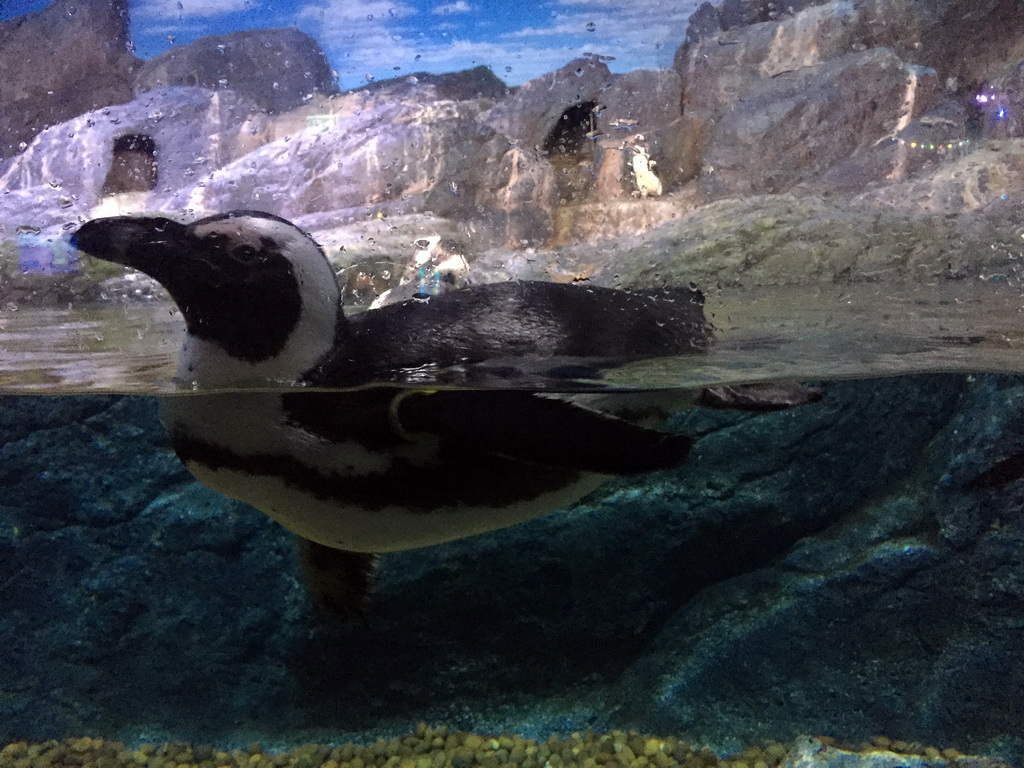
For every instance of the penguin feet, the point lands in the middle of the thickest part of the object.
(340, 582)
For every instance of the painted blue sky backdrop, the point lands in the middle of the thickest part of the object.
(386, 38)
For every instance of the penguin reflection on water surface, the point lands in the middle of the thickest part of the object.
(385, 465)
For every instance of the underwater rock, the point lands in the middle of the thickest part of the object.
(817, 570)
(442, 747)
(819, 753)
(278, 69)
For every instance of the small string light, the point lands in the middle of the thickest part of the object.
(926, 145)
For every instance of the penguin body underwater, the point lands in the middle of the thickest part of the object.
(388, 463)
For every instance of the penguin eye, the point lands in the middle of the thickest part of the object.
(245, 253)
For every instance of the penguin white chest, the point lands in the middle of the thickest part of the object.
(341, 492)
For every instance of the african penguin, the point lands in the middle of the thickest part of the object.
(388, 463)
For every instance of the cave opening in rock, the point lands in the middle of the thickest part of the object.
(569, 134)
(570, 151)
(133, 167)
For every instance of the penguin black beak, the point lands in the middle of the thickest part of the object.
(143, 243)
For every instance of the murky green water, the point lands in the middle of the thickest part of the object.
(785, 332)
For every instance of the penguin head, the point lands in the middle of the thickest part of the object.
(258, 295)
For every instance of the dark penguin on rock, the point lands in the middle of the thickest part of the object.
(390, 463)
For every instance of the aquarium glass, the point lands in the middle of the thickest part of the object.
(734, 287)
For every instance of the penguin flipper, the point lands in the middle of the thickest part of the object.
(536, 429)
(339, 581)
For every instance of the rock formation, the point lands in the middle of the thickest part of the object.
(58, 63)
(465, 85)
(278, 69)
(796, 126)
(762, 100)
(169, 136)
(554, 112)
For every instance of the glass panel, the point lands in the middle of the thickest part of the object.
(722, 303)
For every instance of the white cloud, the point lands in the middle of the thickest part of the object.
(639, 34)
(179, 9)
(446, 9)
(365, 38)
(388, 39)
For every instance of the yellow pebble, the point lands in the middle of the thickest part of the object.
(651, 746)
(776, 751)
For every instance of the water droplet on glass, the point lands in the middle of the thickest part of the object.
(591, 26)
(508, 69)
